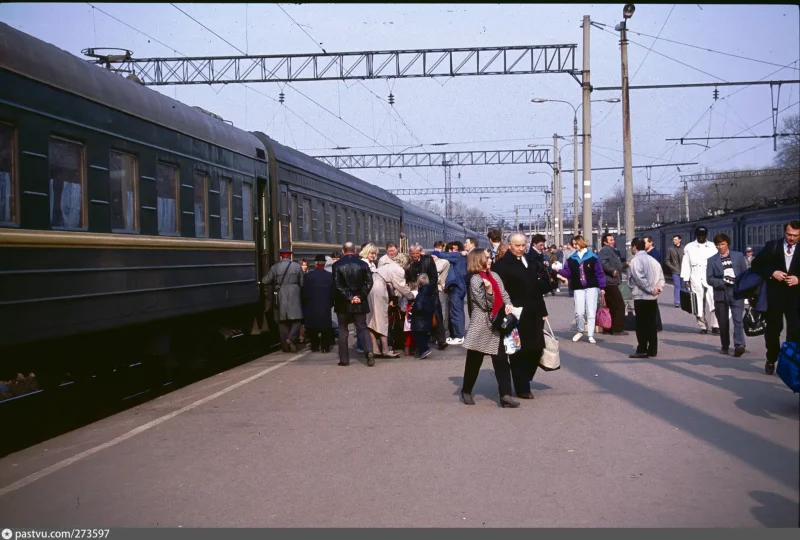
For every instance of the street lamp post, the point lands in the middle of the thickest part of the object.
(576, 196)
(630, 224)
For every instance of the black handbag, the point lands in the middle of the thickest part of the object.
(754, 323)
(504, 323)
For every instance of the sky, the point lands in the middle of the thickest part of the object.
(481, 112)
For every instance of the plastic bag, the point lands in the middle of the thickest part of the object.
(512, 342)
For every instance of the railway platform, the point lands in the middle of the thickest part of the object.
(689, 439)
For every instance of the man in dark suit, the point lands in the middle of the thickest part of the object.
(779, 264)
(352, 281)
(652, 250)
(721, 272)
(520, 279)
(317, 305)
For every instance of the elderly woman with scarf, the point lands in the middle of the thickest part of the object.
(584, 273)
(487, 296)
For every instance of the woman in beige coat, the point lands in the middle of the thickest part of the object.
(387, 281)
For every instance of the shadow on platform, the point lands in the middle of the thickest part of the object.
(775, 510)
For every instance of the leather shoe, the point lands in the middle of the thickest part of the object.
(525, 395)
(769, 367)
(508, 402)
(467, 399)
(738, 351)
(639, 355)
(343, 364)
(723, 351)
(370, 359)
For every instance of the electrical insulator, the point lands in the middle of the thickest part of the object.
(280, 97)
(459, 176)
(391, 99)
(716, 94)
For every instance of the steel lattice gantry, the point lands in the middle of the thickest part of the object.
(733, 175)
(436, 159)
(415, 63)
(470, 190)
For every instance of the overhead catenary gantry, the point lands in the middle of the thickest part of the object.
(472, 190)
(340, 66)
(436, 159)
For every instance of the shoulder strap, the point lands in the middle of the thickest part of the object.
(283, 277)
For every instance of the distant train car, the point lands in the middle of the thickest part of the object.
(317, 207)
(751, 227)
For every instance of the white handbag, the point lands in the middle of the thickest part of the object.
(550, 360)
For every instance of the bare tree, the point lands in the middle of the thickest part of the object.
(789, 147)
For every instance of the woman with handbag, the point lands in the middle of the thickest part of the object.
(488, 299)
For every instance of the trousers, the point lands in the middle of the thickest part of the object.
(359, 320)
(725, 309)
(502, 371)
(444, 301)
(457, 317)
(616, 305)
(289, 330)
(586, 309)
(320, 338)
(646, 333)
(676, 286)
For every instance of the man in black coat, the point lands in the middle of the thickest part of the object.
(779, 265)
(352, 281)
(317, 304)
(520, 279)
(536, 257)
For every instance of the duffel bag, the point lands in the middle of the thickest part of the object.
(789, 365)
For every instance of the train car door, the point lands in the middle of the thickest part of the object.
(263, 233)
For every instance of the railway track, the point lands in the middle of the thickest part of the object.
(39, 415)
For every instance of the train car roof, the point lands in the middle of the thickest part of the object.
(305, 162)
(35, 59)
(421, 212)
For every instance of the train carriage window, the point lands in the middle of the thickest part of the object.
(294, 215)
(317, 224)
(284, 213)
(351, 226)
(339, 225)
(200, 204)
(122, 184)
(328, 225)
(167, 201)
(247, 212)
(7, 174)
(67, 182)
(225, 210)
(306, 219)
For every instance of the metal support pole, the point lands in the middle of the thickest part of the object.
(618, 223)
(516, 219)
(556, 191)
(626, 137)
(530, 225)
(575, 198)
(587, 137)
(686, 197)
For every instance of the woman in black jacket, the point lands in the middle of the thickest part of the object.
(422, 314)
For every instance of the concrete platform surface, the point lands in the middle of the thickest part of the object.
(689, 439)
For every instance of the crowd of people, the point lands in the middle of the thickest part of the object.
(406, 301)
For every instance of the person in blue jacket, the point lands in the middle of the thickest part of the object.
(456, 287)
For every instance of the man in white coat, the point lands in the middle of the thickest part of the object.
(693, 275)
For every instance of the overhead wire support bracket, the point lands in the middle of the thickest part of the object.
(341, 66)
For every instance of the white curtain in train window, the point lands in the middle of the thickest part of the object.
(166, 216)
(247, 213)
(199, 219)
(224, 207)
(65, 205)
(5, 197)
